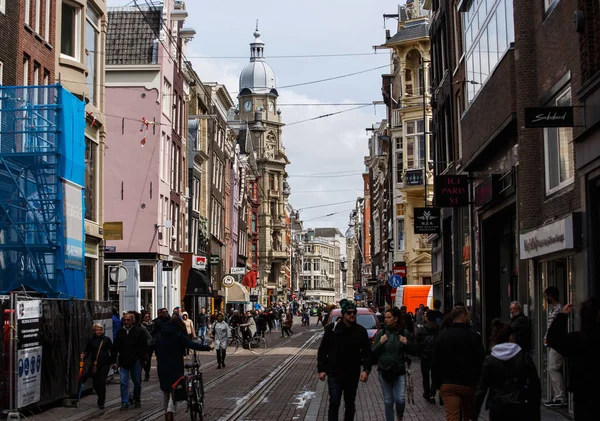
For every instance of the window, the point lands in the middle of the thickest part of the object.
(27, 18)
(36, 82)
(316, 265)
(558, 150)
(254, 225)
(2, 6)
(69, 31)
(26, 71)
(92, 36)
(38, 15)
(166, 97)
(46, 20)
(173, 166)
(400, 234)
(548, 4)
(1, 71)
(196, 194)
(416, 150)
(91, 158)
(399, 161)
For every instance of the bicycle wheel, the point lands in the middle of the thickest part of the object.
(233, 346)
(193, 407)
(258, 345)
(200, 396)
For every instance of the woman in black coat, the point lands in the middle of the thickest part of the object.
(99, 350)
(512, 379)
(170, 349)
(581, 350)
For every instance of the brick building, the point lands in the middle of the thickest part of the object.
(9, 25)
(521, 231)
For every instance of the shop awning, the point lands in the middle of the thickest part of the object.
(237, 293)
(198, 284)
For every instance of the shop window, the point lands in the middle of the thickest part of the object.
(558, 151)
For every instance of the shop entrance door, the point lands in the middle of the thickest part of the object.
(147, 302)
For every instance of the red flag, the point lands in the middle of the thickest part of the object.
(249, 279)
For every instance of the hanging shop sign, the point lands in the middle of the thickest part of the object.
(167, 266)
(29, 352)
(237, 271)
(451, 191)
(413, 177)
(487, 190)
(540, 117)
(563, 234)
(254, 298)
(199, 262)
(214, 259)
(427, 220)
(399, 269)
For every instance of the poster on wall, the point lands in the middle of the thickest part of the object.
(73, 216)
(29, 352)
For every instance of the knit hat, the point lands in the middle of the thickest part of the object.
(346, 305)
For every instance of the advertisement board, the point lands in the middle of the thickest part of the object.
(29, 352)
(74, 230)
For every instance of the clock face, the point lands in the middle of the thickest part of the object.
(272, 106)
(248, 105)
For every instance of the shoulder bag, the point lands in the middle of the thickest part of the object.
(94, 367)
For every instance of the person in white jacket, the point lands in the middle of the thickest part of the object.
(250, 327)
(220, 333)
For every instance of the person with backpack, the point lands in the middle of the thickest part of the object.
(515, 390)
(425, 338)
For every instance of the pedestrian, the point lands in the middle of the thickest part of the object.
(158, 323)
(425, 338)
(170, 348)
(149, 326)
(319, 315)
(457, 360)
(289, 322)
(436, 315)
(419, 313)
(189, 325)
(202, 321)
(221, 334)
(116, 322)
(270, 320)
(510, 375)
(99, 349)
(235, 319)
(261, 323)
(130, 352)
(555, 359)
(249, 328)
(521, 326)
(344, 349)
(581, 350)
(391, 345)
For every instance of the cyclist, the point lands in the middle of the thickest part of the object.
(170, 348)
(249, 328)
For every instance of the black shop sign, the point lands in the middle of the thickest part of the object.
(427, 220)
(487, 190)
(539, 117)
(413, 177)
(451, 191)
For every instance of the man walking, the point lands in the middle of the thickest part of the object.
(344, 348)
(555, 360)
(457, 361)
(202, 321)
(436, 315)
(520, 325)
(130, 350)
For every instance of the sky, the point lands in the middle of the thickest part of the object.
(327, 154)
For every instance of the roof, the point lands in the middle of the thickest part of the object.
(327, 232)
(412, 30)
(131, 34)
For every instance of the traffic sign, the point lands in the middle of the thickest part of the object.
(395, 281)
(393, 294)
(228, 281)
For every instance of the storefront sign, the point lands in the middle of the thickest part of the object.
(214, 259)
(254, 298)
(451, 190)
(399, 269)
(413, 178)
(548, 239)
(113, 230)
(29, 352)
(538, 117)
(199, 262)
(167, 266)
(427, 220)
(238, 271)
(487, 190)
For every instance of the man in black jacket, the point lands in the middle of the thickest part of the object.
(457, 360)
(344, 348)
(521, 326)
(131, 350)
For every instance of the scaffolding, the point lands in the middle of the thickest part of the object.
(36, 148)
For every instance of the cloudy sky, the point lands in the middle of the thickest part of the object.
(326, 154)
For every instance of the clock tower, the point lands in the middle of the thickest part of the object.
(258, 109)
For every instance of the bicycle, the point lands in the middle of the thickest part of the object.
(194, 390)
(257, 344)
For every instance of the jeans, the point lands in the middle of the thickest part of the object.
(202, 334)
(555, 364)
(347, 384)
(135, 371)
(457, 398)
(393, 393)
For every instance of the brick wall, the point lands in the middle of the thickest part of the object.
(34, 46)
(9, 43)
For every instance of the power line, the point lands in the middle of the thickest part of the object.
(326, 173)
(332, 78)
(328, 215)
(325, 191)
(325, 176)
(326, 115)
(324, 206)
(294, 56)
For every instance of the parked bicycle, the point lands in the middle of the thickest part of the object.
(257, 344)
(191, 390)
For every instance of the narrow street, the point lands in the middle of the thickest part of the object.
(280, 385)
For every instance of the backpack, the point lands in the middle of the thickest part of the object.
(517, 389)
(428, 347)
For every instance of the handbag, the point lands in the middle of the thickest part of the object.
(94, 367)
(179, 390)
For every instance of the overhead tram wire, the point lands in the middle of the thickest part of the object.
(325, 176)
(328, 215)
(326, 115)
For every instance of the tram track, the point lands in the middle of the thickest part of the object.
(248, 403)
(213, 382)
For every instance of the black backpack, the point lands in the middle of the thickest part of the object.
(518, 387)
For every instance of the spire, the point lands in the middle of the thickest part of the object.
(257, 48)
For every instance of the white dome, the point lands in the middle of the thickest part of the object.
(257, 76)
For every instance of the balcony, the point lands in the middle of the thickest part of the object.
(278, 255)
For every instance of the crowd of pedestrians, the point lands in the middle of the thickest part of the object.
(455, 363)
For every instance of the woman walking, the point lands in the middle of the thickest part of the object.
(512, 379)
(391, 345)
(189, 328)
(148, 324)
(99, 349)
(220, 333)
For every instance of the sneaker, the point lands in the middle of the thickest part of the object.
(138, 404)
(124, 407)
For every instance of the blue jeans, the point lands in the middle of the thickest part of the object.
(135, 371)
(342, 383)
(202, 334)
(393, 393)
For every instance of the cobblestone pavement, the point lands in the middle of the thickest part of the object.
(280, 385)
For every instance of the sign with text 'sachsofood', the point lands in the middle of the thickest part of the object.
(451, 191)
(540, 117)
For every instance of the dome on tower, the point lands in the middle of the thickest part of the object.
(257, 77)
